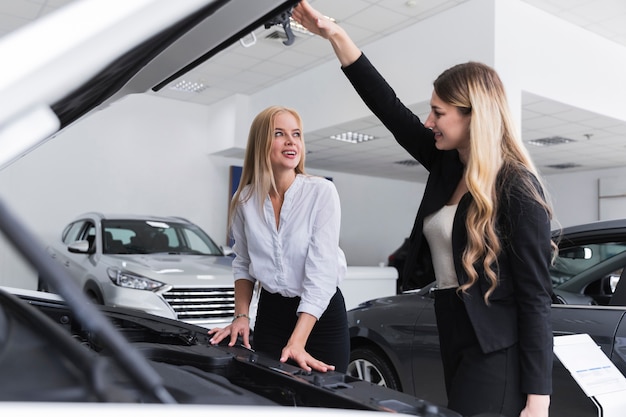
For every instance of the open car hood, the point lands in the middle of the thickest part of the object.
(133, 47)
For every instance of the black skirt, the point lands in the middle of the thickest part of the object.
(329, 340)
(476, 382)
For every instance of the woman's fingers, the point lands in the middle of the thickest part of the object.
(305, 360)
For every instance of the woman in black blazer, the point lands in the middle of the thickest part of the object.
(482, 231)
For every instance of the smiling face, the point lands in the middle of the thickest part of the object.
(287, 144)
(449, 125)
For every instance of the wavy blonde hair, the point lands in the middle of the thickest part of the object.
(495, 148)
(257, 167)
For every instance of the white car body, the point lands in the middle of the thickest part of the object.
(189, 279)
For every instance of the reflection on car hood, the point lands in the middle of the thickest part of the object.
(174, 268)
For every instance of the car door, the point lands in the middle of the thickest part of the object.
(618, 356)
(586, 275)
(59, 250)
(77, 264)
(599, 322)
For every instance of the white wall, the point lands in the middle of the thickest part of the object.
(539, 53)
(377, 215)
(575, 195)
(542, 54)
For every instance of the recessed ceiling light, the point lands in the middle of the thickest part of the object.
(189, 86)
(551, 141)
(565, 165)
(407, 162)
(353, 137)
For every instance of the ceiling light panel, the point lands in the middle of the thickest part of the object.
(353, 137)
(189, 86)
(551, 141)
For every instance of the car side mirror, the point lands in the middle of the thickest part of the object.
(80, 246)
(227, 250)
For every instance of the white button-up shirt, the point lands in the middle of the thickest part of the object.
(300, 258)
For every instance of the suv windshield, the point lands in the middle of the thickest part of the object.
(148, 236)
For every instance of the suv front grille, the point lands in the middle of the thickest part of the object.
(202, 305)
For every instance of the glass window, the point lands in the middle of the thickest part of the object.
(142, 236)
(72, 233)
(573, 260)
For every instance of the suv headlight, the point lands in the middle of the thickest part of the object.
(129, 280)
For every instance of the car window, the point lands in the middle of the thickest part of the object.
(146, 236)
(72, 232)
(572, 260)
(89, 232)
(195, 241)
(172, 236)
(123, 235)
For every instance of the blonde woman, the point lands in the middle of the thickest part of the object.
(482, 231)
(285, 226)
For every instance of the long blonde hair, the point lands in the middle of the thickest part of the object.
(257, 167)
(495, 149)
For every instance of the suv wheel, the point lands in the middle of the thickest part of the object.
(93, 293)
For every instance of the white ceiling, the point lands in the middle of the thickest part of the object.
(248, 70)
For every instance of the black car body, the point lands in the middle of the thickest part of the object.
(52, 355)
(394, 340)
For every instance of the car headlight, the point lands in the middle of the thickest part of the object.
(129, 280)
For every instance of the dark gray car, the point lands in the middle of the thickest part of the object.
(394, 340)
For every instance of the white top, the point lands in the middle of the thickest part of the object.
(302, 257)
(438, 233)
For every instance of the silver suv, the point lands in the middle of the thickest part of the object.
(165, 266)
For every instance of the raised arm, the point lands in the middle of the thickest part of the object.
(345, 49)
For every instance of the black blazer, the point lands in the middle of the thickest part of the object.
(519, 308)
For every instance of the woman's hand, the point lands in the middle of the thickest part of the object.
(296, 352)
(536, 406)
(345, 49)
(239, 327)
(294, 349)
(313, 20)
